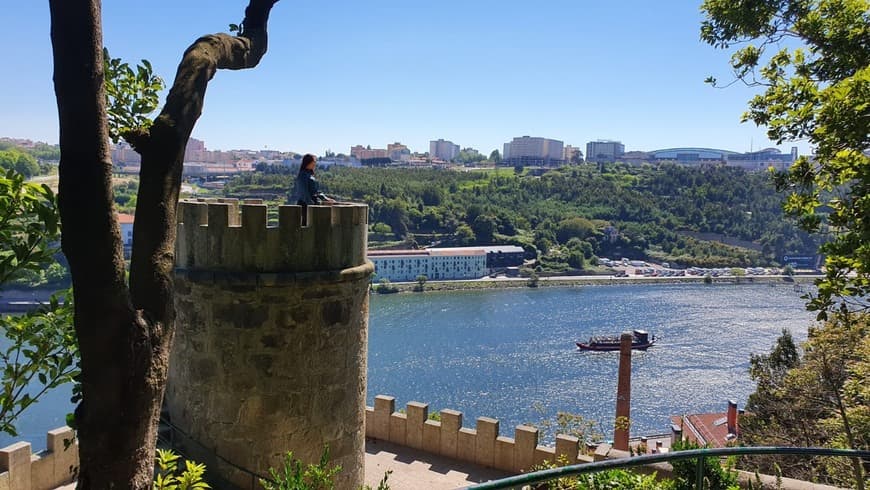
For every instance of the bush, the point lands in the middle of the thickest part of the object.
(294, 476)
(320, 476)
(715, 476)
(601, 480)
(382, 228)
(167, 477)
(385, 288)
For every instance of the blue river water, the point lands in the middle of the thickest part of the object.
(502, 353)
(510, 354)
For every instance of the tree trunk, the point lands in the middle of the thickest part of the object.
(125, 334)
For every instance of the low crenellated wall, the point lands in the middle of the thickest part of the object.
(481, 445)
(517, 454)
(224, 235)
(56, 466)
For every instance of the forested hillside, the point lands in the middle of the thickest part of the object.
(570, 215)
(27, 161)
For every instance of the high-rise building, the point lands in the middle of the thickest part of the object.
(604, 151)
(443, 150)
(528, 150)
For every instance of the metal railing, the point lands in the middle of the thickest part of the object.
(698, 454)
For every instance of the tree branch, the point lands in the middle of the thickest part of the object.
(160, 180)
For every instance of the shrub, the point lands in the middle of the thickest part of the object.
(602, 480)
(167, 477)
(715, 476)
(320, 476)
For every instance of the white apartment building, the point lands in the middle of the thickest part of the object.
(408, 265)
(529, 150)
(443, 150)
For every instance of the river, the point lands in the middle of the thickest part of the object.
(501, 353)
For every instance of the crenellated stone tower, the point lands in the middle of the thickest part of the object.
(271, 340)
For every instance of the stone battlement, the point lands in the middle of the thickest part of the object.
(229, 236)
(481, 445)
(56, 466)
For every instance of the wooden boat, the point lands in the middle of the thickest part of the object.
(641, 340)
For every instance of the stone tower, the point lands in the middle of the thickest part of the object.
(271, 340)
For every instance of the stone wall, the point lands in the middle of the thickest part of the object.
(56, 466)
(224, 235)
(481, 445)
(271, 340)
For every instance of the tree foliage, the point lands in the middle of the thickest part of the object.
(495, 156)
(818, 398)
(41, 352)
(19, 161)
(29, 226)
(811, 58)
(672, 213)
(132, 95)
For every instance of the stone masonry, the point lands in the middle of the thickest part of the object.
(271, 340)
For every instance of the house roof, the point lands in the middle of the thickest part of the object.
(704, 428)
(125, 219)
(396, 253)
(456, 253)
(487, 248)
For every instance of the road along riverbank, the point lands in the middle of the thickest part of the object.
(798, 282)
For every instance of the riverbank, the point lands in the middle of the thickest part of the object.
(799, 281)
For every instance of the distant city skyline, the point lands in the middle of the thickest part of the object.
(374, 73)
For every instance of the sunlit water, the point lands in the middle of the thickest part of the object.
(501, 353)
(498, 353)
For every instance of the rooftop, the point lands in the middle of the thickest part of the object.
(442, 252)
(125, 219)
(707, 428)
(395, 253)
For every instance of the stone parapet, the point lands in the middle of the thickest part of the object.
(481, 445)
(49, 469)
(232, 236)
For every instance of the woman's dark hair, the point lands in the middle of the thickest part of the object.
(308, 158)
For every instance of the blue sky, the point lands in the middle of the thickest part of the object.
(477, 72)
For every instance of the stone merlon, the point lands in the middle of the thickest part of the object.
(224, 235)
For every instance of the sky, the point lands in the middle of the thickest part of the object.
(371, 72)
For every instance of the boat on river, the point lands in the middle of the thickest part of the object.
(641, 340)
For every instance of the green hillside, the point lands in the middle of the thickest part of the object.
(715, 216)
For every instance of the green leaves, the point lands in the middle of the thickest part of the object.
(131, 95)
(296, 476)
(42, 348)
(818, 92)
(20, 161)
(167, 477)
(29, 226)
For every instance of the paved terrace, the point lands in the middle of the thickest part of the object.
(416, 470)
(413, 470)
